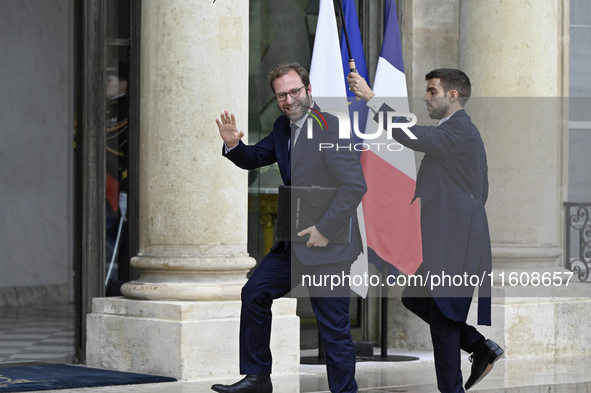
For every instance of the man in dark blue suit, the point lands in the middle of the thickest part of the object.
(296, 149)
(452, 184)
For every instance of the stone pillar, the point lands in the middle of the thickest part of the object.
(513, 52)
(181, 317)
(193, 202)
(509, 56)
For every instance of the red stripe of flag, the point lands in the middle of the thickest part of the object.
(393, 230)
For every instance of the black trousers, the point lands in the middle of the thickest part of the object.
(273, 279)
(448, 337)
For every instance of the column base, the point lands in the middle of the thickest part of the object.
(188, 278)
(181, 291)
(530, 327)
(516, 257)
(186, 340)
(528, 322)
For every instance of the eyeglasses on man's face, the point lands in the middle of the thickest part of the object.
(295, 93)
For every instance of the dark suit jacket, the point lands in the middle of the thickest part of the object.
(311, 166)
(452, 183)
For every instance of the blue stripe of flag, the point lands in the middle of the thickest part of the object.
(355, 44)
(391, 46)
(358, 54)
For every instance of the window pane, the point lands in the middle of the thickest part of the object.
(580, 12)
(580, 62)
(118, 19)
(579, 187)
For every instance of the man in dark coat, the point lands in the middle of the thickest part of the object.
(452, 184)
(296, 149)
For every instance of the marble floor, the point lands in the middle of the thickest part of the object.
(46, 334)
(37, 333)
(564, 375)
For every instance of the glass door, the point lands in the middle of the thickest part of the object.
(107, 151)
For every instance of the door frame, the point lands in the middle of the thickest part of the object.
(90, 157)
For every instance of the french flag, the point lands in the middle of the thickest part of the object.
(392, 224)
(328, 89)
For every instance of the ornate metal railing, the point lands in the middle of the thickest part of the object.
(578, 238)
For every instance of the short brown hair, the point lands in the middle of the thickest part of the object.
(284, 68)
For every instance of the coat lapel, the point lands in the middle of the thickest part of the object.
(285, 162)
(299, 146)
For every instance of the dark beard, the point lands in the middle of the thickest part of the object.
(438, 114)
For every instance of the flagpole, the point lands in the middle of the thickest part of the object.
(351, 60)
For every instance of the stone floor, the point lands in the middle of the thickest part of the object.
(563, 375)
(46, 334)
(39, 333)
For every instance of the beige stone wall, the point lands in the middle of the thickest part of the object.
(36, 155)
(430, 33)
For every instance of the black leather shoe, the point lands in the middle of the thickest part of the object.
(250, 384)
(482, 362)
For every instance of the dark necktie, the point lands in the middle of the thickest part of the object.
(294, 128)
(292, 135)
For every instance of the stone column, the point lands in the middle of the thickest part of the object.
(193, 202)
(514, 63)
(513, 52)
(181, 317)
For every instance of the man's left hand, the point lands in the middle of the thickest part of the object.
(317, 239)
